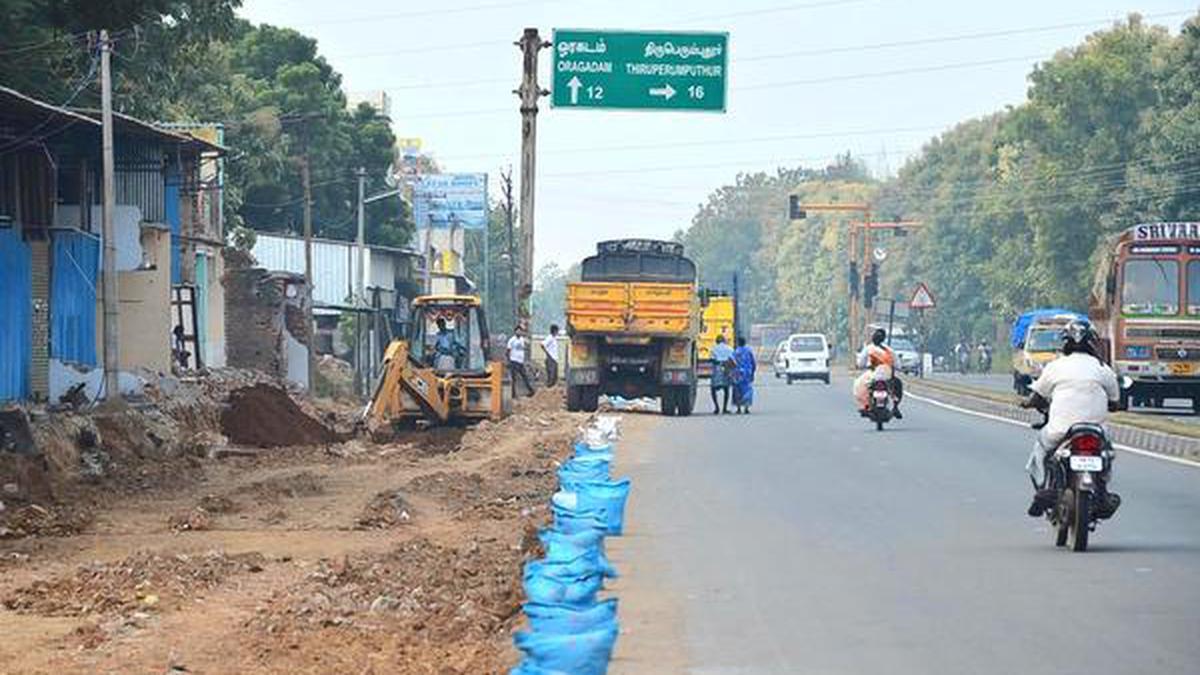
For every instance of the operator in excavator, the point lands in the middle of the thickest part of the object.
(447, 350)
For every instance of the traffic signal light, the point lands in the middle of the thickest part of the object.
(794, 210)
(871, 285)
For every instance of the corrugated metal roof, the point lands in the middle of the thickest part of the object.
(335, 265)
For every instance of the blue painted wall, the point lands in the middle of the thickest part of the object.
(16, 312)
(75, 262)
(171, 209)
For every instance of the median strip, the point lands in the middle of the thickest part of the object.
(1158, 437)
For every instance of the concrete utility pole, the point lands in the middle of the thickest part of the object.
(506, 181)
(308, 266)
(361, 289)
(112, 361)
(530, 44)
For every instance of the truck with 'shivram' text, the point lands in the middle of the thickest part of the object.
(1146, 306)
(633, 319)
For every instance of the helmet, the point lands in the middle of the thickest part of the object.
(878, 336)
(1078, 336)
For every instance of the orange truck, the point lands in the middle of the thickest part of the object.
(633, 319)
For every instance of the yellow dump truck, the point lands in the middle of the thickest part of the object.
(633, 319)
(718, 316)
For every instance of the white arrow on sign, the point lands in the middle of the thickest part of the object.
(666, 91)
(880, 254)
(574, 84)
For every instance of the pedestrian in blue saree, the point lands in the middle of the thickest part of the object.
(743, 377)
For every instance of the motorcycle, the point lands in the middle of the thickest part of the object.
(1078, 471)
(880, 405)
(985, 361)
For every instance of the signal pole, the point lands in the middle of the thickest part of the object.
(530, 44)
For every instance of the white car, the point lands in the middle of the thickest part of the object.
(908, 359)
(803, 356)
(779, 360)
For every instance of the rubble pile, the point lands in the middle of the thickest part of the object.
(142, 581)
(452, 606)
(385, 510)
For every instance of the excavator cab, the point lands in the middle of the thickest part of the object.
(442, 372)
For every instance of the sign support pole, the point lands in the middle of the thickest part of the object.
(530, 43)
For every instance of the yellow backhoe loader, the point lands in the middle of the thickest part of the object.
(442, 372)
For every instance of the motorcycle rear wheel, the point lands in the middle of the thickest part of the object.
(1081, 520)
(1062, 518)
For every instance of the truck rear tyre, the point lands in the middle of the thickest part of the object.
(685, 402)
(668, 403)
(589, 398)
(574, 398)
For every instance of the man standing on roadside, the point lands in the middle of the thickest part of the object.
(550, 347)
(517, 348)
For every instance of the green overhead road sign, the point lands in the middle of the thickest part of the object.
(640, 70)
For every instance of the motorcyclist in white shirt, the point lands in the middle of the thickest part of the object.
(1078, 387)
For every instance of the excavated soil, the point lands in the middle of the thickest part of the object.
(265, 416)
(329, 557)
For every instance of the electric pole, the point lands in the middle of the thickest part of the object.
(506, 181)
(112, 362)
(362, 238)
(308, 268)
(530, 44)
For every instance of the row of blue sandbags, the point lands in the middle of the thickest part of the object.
(571, 631)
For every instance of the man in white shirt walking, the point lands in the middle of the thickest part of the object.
(518, 347)
(550, 347)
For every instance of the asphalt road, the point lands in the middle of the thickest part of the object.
(800, 540)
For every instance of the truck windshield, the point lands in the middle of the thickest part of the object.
(1043, 341)
(1193, 287)
(1151, 287)
(807, 344)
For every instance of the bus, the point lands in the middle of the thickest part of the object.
(1146, 306)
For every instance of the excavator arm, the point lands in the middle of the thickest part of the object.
(401, 376)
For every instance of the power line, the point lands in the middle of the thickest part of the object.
(706, 143)
(824, 51)
(888, 73)
(444, 11)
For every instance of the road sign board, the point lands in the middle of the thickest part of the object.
(922, 298)
(451, 200)
(629, 70)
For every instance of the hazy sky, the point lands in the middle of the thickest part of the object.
(808, 80)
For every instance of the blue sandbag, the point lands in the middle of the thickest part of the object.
(582, 550)
(571, 473)
(560, 619)
(579, 654)
(527, 667)
(570, 519)
(549, 584)
(605, 496)
(583, 449)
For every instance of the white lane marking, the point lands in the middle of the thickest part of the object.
(996, 418)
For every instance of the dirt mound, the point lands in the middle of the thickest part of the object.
(265, 416)
(289, 486)
(385, 510)
(55, 520)
(142, 581)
